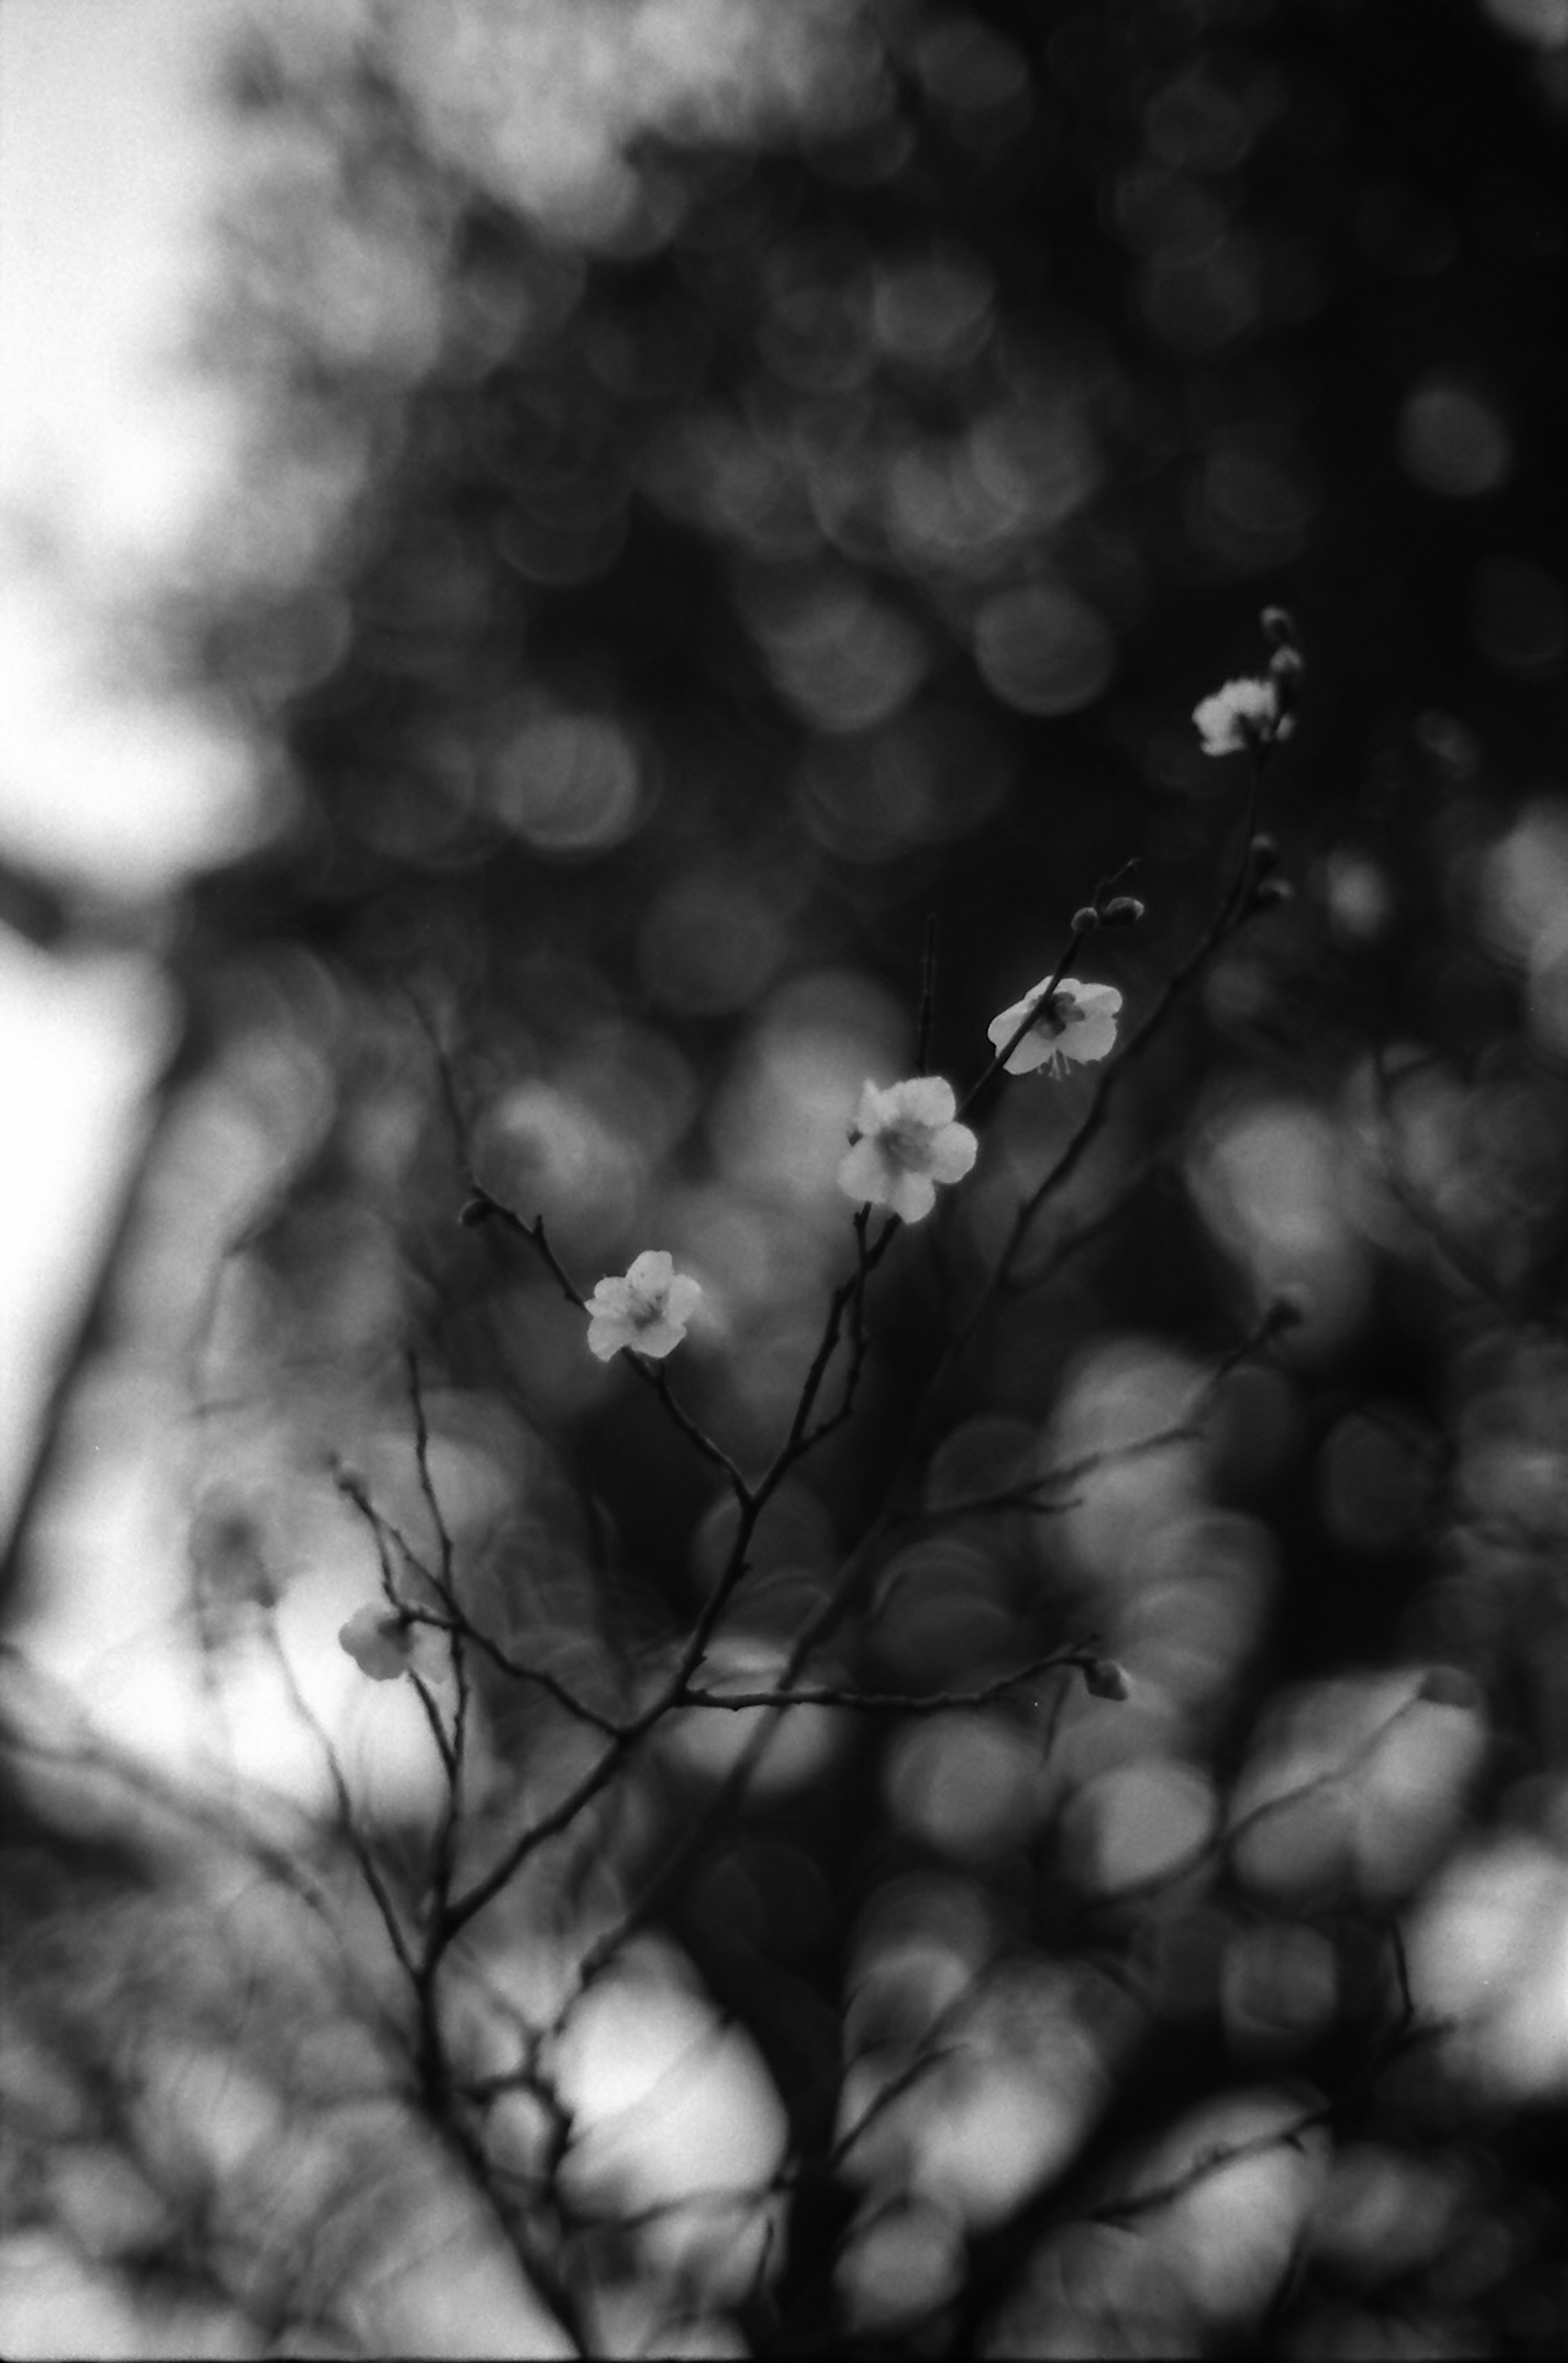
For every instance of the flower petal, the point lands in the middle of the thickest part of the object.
(862, 1175)
(1080, 1027)
(1242, 714)
(911, 1197)
(607, 1333)
(954, 1151)
(660, 1338)
(371, 1638)
(647, 1310)
(682, 1299)
(1103, 997)
(1002, 1029)
(873, 1111)
(651, 1272)
(929, 1099)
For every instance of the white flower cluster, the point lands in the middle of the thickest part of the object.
(1249, 713)
(906, 1139)
(1256, 713)
(905, 1142)
(1252, 712)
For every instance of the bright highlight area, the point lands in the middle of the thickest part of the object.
(108, 163)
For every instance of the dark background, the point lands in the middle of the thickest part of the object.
(651, 613)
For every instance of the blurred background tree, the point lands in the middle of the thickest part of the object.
(738, 491)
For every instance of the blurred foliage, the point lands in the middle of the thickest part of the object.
(731, 485)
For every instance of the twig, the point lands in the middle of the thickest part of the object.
(348, 1825)
(383, 1529)
(651, 1374)
(927, 996)
(891, 1702)
(1454, 1252)
(1290, 2135)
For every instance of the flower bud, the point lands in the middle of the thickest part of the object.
(1265, 850)
(1272, 892)
(1279, 626)
(1086, 920)
(1103, 1678)
(1122, 911)
(477, 1210)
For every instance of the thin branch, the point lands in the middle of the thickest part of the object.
(1042, 1493)
(848, 1301)
(892, 1701)
(482, 1207)
(1040, 1496)
(1454, 1252)
(444, 1581)
(90, 1752)
(1223, 1840)
(697, 1437)
(383, 1534)
(751, 1501)
(1037, 1002)
(348, 1825)
(927, 996)
(517, 1671)
(550, 1825)
(460, 1621)
(1234, 905)
(1122, 2213)
(1125, 2212)
(447, 1081)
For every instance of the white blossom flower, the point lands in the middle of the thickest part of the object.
(384, 1643)
(1075, 1025)
(648, 1310)
(903, 1142)
(1243, 714)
